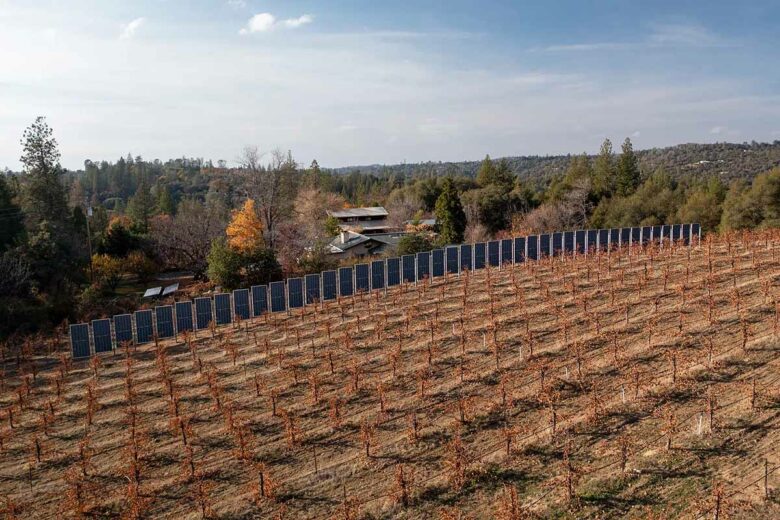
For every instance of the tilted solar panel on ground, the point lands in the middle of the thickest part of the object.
(494, 253)
(259, 300)
(241, 303)
(222, 308)
(407, 266)
(164, 320)
(295, 293)
(362, 278)
(466, 256)
(204, 313)
(79, 340)
(393, 271)
(312, 282)
(423, 259)
(184, 320)
(123, 328)
(437, 262)
(519, 249)
(378, 274)
(101, 335)
(346, 282)
(452, 259)
(144, 332)
(278, 300)
(480, 254)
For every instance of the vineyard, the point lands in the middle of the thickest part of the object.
(640, 382)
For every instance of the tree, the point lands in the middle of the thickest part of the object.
(414, 243)
(165, 202)
(140, 208)
(108, 271)
(627, 170)
(245, 231)
(11, 218)
(490, 174)
(450, 217)
(45, 197)
(118, 240)
(224, 265)
(331, 226)
(604, 171)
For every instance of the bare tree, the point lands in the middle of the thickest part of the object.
(14, 274)
(569, 213)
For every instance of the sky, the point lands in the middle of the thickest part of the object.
(367, 82)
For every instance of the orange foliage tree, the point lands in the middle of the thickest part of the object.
(245, 231)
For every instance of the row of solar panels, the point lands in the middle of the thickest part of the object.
(166, 321)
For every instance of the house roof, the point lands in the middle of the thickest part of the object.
(431, 222)
(353, 239)
(376, 211)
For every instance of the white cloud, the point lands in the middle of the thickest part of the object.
(681, 34)
(129, 29)
(265, 22)
(237, 4)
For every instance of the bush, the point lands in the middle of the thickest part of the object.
(414, 243)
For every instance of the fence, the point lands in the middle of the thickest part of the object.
(104, 335)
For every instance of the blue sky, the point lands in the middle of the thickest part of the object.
(358, 82)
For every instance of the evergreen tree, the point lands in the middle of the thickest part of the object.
(604, 171)
(45, 197)
(140, 208)
(500, 175)
(450, 217)
(11, 218)
(627, 170)
(165, 204)
(487, 172)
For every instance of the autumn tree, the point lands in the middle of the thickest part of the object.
(245, 231)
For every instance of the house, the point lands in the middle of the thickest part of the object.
(349, 244)
(365, 221)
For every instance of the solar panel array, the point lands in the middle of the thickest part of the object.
(105, 335)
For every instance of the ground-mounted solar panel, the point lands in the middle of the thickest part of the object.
(330, 290)
(614, 238)
(591, 240)
(480, 255)
(519, 244)
(423, 265)
(466, 257)
(259, 300)
(164, 315)
(295, 293)
(647, 234)
(101, 335)
(603, 242)
(507, 253)
(677, 232)
(556, 243)
(494, 253)
(222, 309)
(362, 278)
(568, 242)
(636, 236)
(580, 241)
(79, 340)
(625, 236)
(241, 303)
(407, 268)
(656, 236)
(544, 245)
(184, 321)
(532, 246)
(346, 281)
(123, 328)
(312, 282)
(437, 262)
(377, 274)
(666, 234)
(393, 271)
(144, 333)
(686, 234)
(452, 259)
(695, 233)
(278, 300)
(204, 313)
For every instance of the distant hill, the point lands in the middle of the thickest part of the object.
(728, 160)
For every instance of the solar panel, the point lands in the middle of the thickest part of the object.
(466, 255)
(437, 262)
(329, 285)
(393, 271)
(544, 245)
(204, 313)
(278, 302)
(696, 233)
(184, 316)
(123, 328)
(101, 335)
(241, 303)
(79, 340)
(295, 293)
(423, 265)
(603, 241)
(625, 236)
(614, 238)
(666, 233)
(568, 242)
(362, 278)
(346, 282)
(312, 282)
(636, 236)
(259, 300)
(164, 321)
(452, 259)
(647, 234)
(686, 233)
(532, 244)
(407, 264)
(480, 254)
(519, 250)
(153, 292)
(377, 274)
(580, 243)
(657, 234)
(676, 232)
(591, 240)
(494, 253)
(171, 289)
(556, 243)
(222, 309)
(143, 326)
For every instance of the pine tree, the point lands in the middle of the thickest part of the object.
(45, 196)
(627, 170)
(140, 207)
(604, 171)
(450, 216)
(497, 175)
(165, 203)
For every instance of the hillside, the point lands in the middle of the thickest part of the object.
(608, 386)
(727, 160)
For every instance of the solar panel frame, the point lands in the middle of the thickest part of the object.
(568, 242)
(204, 312)
(647, 234)
(603, 241)
(556, 243)
(695, 233)
(519, 244)
(437, 263)
(144, 331)
(452, 259)
(625, 236)
(580, 241)
(591, 240)
(164, 321)
(636, 236)
(184, 322)
(123, 328)
(295, 293)
(466, 256)
(330, 285)
(666, 233)
(278, 300)
(259, 300)
(408, 269)
(544, 245)
(507, 251)
(362, 278)
(686, 234)
(312, 282)
(676, 232)
(223, 311)
(241, 304)
(346, 281)
(423, 259)
(101, 335)
(377, 274)
(170, 289)
(480, 253)
(79, 341)
(614, 238)
(532, 247)
(393, 271)
(657, 234)
(494, 253)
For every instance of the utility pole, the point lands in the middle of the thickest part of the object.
(89, 244)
